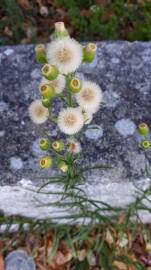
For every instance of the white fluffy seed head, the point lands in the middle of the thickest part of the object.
(58, 84)
(66, 54)
(37, 112)
(70, 120)
(90, 97)
(74, 146)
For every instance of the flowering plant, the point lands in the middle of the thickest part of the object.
(61, 59)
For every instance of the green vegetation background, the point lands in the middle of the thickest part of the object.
(28, 21)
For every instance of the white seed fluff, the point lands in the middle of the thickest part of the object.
(66, 54)
(70, 120)
(58, 84)
(74, 146)
(90, 97)
(37, 112)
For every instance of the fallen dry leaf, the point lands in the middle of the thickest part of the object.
(44, 11)
(1, 244)
(60, 258)
(8, 31)
(121, 218)
(68, 256)
(132, 267)
(1, 263)
(148, 247)
(40, 266)
(85, 13)
(81, 254)
(130, 239)
(39, 2)
(138, 246)
(120, 265)
(109, 238)
(52, 264)
(123, 266)
(102, 2)
(24, 4)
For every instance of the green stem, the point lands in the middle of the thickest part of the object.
(103, 166)
(69, 95)
(62, 97)
(52, 118)
(69, 99)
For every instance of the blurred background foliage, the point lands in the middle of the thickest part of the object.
(28, 21)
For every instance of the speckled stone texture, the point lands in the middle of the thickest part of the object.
(123, 70)
(19, 259)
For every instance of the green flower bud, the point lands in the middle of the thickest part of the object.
(146, 144)
(74, 85)
(89, 52)
(45, 162)
(50, 72)
(47, 91)
(58, 146)
(41, 54)
(44, 144)
(46, 102)
(143, 129)
(63, 166)
(60, 30)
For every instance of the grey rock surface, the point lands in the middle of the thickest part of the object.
(17, 260)
(24, 200)
(122, 69)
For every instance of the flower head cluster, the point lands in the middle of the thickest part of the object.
(74, 146)
(37, 112)
(62, 57)
(70, 120)
(144, 131)
(58, 84)
(65, 54)
(90, 97)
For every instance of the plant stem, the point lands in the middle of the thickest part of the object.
(69, 95)
(52, 118)
(69, 99)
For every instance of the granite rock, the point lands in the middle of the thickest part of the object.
(122, 69)
(19, 259)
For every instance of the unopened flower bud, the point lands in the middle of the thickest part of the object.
(45, 162)
(47, 91)
(74, 85)
(89, 52)
(63, 166)
(145, 144)
(143, 129)
(44, 144)
(41, 54)
(58, 146)
(46, 102)
(59, 26)
(50, 72)
(60, 30)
